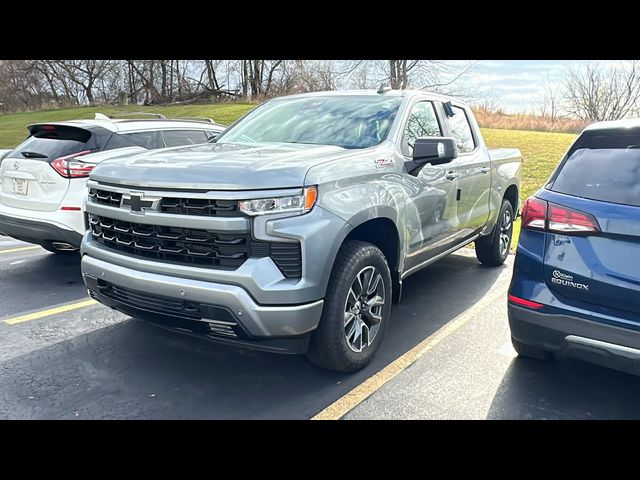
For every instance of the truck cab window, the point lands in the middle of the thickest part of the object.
(461, 131)
(422, 122)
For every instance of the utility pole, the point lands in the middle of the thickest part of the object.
(122, 95)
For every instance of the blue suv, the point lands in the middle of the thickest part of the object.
(576, 281)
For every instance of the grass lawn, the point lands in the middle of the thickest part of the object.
(541, 150)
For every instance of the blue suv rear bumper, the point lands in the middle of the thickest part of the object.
(565, 333)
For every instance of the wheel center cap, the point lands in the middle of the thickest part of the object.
(357, 308)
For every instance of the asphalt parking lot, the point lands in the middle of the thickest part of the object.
(91, 363)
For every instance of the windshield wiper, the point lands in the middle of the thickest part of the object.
(319, 144)
(33, 155)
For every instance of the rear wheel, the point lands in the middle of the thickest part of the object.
(493, 249)
(529, 351)
(356, 309)
(59, 249)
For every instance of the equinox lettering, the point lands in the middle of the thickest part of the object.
(565, 279)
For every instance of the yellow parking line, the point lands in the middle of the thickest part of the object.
(19, 249)
(48, 312)
(359, 394)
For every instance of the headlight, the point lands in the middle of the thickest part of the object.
(295, 204)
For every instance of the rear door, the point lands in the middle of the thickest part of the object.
(601, 177)
(473, 171)
(27, 179)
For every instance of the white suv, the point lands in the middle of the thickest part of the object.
(43, 180)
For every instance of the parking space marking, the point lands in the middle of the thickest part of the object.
(19, 249)
(51, 311)
(359, 394)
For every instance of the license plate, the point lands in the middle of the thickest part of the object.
(20, 186)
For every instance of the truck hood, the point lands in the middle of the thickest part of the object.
(224, 166)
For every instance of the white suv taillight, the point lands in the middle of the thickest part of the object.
(546, 216)
(70, 167)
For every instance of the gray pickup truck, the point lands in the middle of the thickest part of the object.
(293, 231)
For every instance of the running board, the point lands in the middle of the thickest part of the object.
(428, 262)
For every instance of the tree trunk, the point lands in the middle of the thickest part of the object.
(245, 77)
(163, 85)
(393, 73)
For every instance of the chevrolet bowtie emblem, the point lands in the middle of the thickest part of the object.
(138, 203)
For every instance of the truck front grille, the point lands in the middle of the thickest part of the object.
(201, 207)
(104, 197)
(193, 247)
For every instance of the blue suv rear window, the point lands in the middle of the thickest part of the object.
(601, 167)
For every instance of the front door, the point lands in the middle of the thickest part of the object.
(431, 213)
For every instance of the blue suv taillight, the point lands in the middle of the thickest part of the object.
(539, 214)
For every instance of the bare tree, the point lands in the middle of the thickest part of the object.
(551, 99)
(257, 77)
(596, 93)
(89, 76)
(399, 71)
(297, 76)
(34, 83)
(436, 75)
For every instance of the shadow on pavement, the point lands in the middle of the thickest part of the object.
(565, 389)
(39, 281)
(135, 370)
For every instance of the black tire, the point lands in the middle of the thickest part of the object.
(329, 347)
(48, 246)
(529, 351)
(488, 248)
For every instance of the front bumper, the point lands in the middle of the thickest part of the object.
(562, 333)
(202, 308)
(319, 232)
(37, 231)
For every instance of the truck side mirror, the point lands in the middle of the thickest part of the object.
(434, 150)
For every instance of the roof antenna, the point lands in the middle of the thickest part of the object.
(384, 87)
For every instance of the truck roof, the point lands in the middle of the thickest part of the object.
(614, 125)
(387, 93)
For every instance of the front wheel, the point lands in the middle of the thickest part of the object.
(356, 309)
(493, 249)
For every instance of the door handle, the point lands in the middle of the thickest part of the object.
(451, 175)
(485, 170)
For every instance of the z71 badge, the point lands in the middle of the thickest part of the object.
(384, 163)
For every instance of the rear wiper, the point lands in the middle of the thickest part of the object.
(33, 155)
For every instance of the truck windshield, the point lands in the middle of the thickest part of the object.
(345, 121)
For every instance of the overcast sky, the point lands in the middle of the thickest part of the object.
(517, 84)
